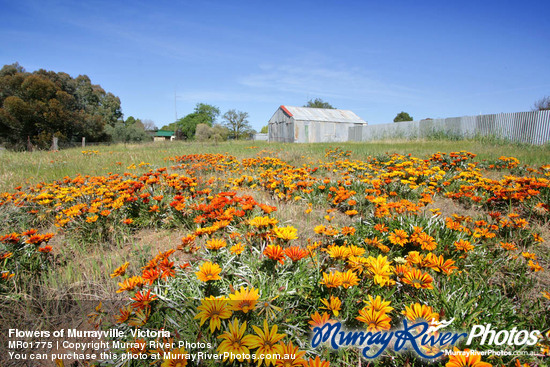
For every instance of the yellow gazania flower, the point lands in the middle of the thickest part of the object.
(209, 271)
(420, 313)
(215, 244)
(266, 341)
(418, 279)
(334, 305)
(378, 304)
(332, 280)
(338, 252)
(469, 360)
(375, 320)
(357, 263)
(235, 343)
(215, 309)
(244, 299)
(381, 269)
(121, 270)
(356, 250)
(349, 279)
(286, 233)
(262, 222)
(92, 219)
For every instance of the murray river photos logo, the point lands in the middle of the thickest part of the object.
(419, 337)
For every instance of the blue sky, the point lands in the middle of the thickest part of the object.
(428, 58)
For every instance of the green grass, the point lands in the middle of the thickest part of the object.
(25, 168)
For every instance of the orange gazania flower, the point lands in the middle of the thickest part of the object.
(462, 245)
(295, 253)
(130, 284)
(290, 356)
(398, 237)
(420, 313)
(121, 270)
(209, 271)
(46, 249)
(142, 299)
(318, 320)
(418, 279)
(375, 320)
(349, 279)
(215, 244)
(244, 299)
(275, 252)
(237, 248)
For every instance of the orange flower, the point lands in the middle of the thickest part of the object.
(418, 279)
(275, 252)
(142, 299)
(215, 244)
(295, 253)
(121, 270)
(209, 271)
(399, 237)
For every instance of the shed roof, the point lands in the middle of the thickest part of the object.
(322, 114)
(164, 133)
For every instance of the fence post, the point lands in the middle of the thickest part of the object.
(54, 143)
(83, 142)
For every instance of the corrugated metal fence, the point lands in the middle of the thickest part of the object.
(524, 127)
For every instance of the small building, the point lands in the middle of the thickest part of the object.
(312, 125)
(164, 135)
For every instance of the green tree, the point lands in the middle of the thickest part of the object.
(402, 116)
(319, 103)
(237, 123)
(44, 104)
(265, 129)
(127, 133)
(542, 104)
(203, 114)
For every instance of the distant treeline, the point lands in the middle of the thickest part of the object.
(37, 106)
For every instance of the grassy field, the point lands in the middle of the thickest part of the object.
(293, 234)
(31, 167)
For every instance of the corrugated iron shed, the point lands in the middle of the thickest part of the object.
(322, 114)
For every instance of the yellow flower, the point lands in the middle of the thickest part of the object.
(209, 271)
(244, 299)
(265, 341)
(286, 233)
(234, 342)
(237, 249)
(334, 305)
(215, 244)
(332, 280)
(378, 304)
(215, 309)
(349, 279)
